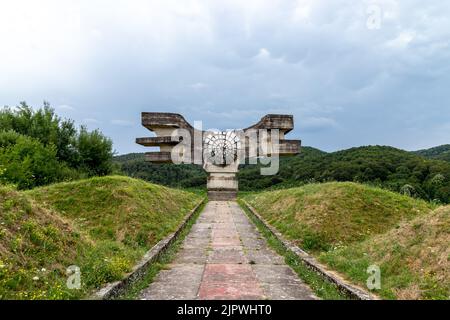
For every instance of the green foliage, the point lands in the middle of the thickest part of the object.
(437, 153)
(132, 211)
(413, 258)
(185, 176)
(95, 224)
(94, 152)
(384, 167)
(38, 148)
(43, 125)
(324, 216)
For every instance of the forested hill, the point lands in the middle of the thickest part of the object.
(438, 153)
(134, 165)
(387, 167)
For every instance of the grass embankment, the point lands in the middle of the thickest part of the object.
(102, 225)
(350, 226)
(322, 288)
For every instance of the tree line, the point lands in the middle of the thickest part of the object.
(386, 167)
(37, 147)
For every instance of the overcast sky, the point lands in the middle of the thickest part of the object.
(351, 72)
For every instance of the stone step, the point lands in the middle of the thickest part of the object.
(223, 195)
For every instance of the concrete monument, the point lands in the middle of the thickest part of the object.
(219, 152)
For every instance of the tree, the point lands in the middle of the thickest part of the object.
(43, 125)
(26, 162)
(94, 152)
(27, 135)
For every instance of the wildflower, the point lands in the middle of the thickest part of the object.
(43, 270)
(36, 278)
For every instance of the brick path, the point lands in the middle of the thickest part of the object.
(225, 257)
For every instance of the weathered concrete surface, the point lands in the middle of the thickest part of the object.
(225, 257)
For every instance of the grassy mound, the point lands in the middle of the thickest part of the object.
(320, 217)
(102, 225)
(350, 226)
(117, 208)
(414, 258)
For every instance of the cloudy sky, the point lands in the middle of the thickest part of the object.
(351, 72)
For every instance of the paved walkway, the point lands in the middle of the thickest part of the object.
(225, 257)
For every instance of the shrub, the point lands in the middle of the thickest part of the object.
(94, 152)
(26, 162)
(54, 150)
(42, 124)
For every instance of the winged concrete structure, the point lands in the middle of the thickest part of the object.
(219, 153)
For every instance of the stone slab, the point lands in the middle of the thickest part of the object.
(225, 257)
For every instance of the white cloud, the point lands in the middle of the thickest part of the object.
(303, 11)
(65, 107)
(230, 62)
(317, 123)
(198, 85)
(402, 40)
(123, 123)
(91, 121)
(41, 43)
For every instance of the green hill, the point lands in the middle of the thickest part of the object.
(386, 167)
(437, 153)
(103, 225)
(183, 175)
(350, 226)
(322, 216)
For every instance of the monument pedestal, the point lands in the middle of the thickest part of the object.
(222, 186)
(222, 182)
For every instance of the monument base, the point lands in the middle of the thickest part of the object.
(222, 195)
(222, 186)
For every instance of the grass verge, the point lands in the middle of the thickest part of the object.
(321, 287)
(414, 259)
(101, 225)
(350, 227)
(161, 263)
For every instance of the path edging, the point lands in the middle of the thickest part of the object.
(114, 289)
(349, 289)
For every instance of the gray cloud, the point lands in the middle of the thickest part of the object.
(229, 63)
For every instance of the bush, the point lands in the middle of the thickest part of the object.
(43, 125)
(26, 162)
(94, 153)
(38, 148)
